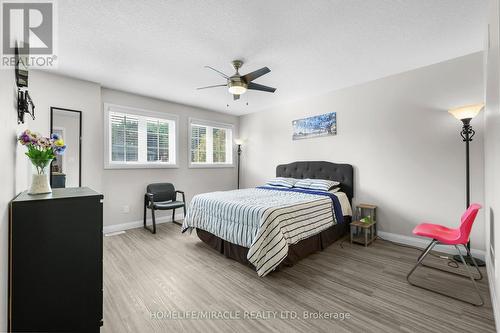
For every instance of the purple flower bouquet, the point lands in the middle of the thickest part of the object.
(41, 152)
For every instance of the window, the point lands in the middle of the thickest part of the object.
(138, 138)
(210, 144)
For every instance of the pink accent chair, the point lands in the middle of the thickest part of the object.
(447, 236)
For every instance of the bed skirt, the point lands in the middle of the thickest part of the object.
(296, 251)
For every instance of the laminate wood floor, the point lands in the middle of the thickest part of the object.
(148, 278)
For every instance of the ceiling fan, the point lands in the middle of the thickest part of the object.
(238, 84)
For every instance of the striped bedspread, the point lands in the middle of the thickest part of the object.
(264, 220)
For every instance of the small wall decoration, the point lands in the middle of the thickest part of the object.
(24, 102)
(322, 125)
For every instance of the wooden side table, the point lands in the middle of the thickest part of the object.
(363, 233)
(363, 210)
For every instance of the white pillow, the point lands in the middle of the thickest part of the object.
(316, 184)
(282, 181)
(276, 186)
(334, 190)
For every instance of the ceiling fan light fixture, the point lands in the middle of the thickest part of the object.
(239, 84)
(237, 88)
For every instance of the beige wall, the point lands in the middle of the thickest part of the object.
(492, 151)
(9, 129)
(126, 187)
(406, 149)
(49, 90)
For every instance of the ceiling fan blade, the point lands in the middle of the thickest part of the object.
(217, 85)
(223, 75)
(255, 74)
(236, 97)
(256, 86)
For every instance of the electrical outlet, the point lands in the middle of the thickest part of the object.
(126, 209)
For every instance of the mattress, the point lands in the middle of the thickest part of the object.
(266, 220)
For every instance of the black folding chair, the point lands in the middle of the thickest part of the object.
(162, 196)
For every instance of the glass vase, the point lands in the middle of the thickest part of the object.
(40, 183)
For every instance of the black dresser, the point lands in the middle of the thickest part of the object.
(55, 262)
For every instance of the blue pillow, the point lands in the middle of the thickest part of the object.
(316, 184)
(282, 181)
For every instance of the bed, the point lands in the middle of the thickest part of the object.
(267, 228)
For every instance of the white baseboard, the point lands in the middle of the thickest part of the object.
(493, 292)
(139, 224)
(423, 242)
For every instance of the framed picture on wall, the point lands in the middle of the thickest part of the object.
(316, 126)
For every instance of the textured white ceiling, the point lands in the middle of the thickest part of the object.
(158, 48)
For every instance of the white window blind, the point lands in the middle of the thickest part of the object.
(124, 137)
(210, 144)
(158, 140)
(219, 145)
(138, 138)
(198, 144)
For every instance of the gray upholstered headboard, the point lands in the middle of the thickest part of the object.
(342, 173)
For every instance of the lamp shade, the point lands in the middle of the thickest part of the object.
(237, 87)
(238, 141)
(237, 90)
(467, 111)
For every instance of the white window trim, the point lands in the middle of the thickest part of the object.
(108, 164)
(202, 122)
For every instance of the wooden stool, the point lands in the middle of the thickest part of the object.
(363, 233)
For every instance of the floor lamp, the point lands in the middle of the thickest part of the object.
(238, 142)
(465, 114)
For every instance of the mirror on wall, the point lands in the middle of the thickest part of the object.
(66, 168)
